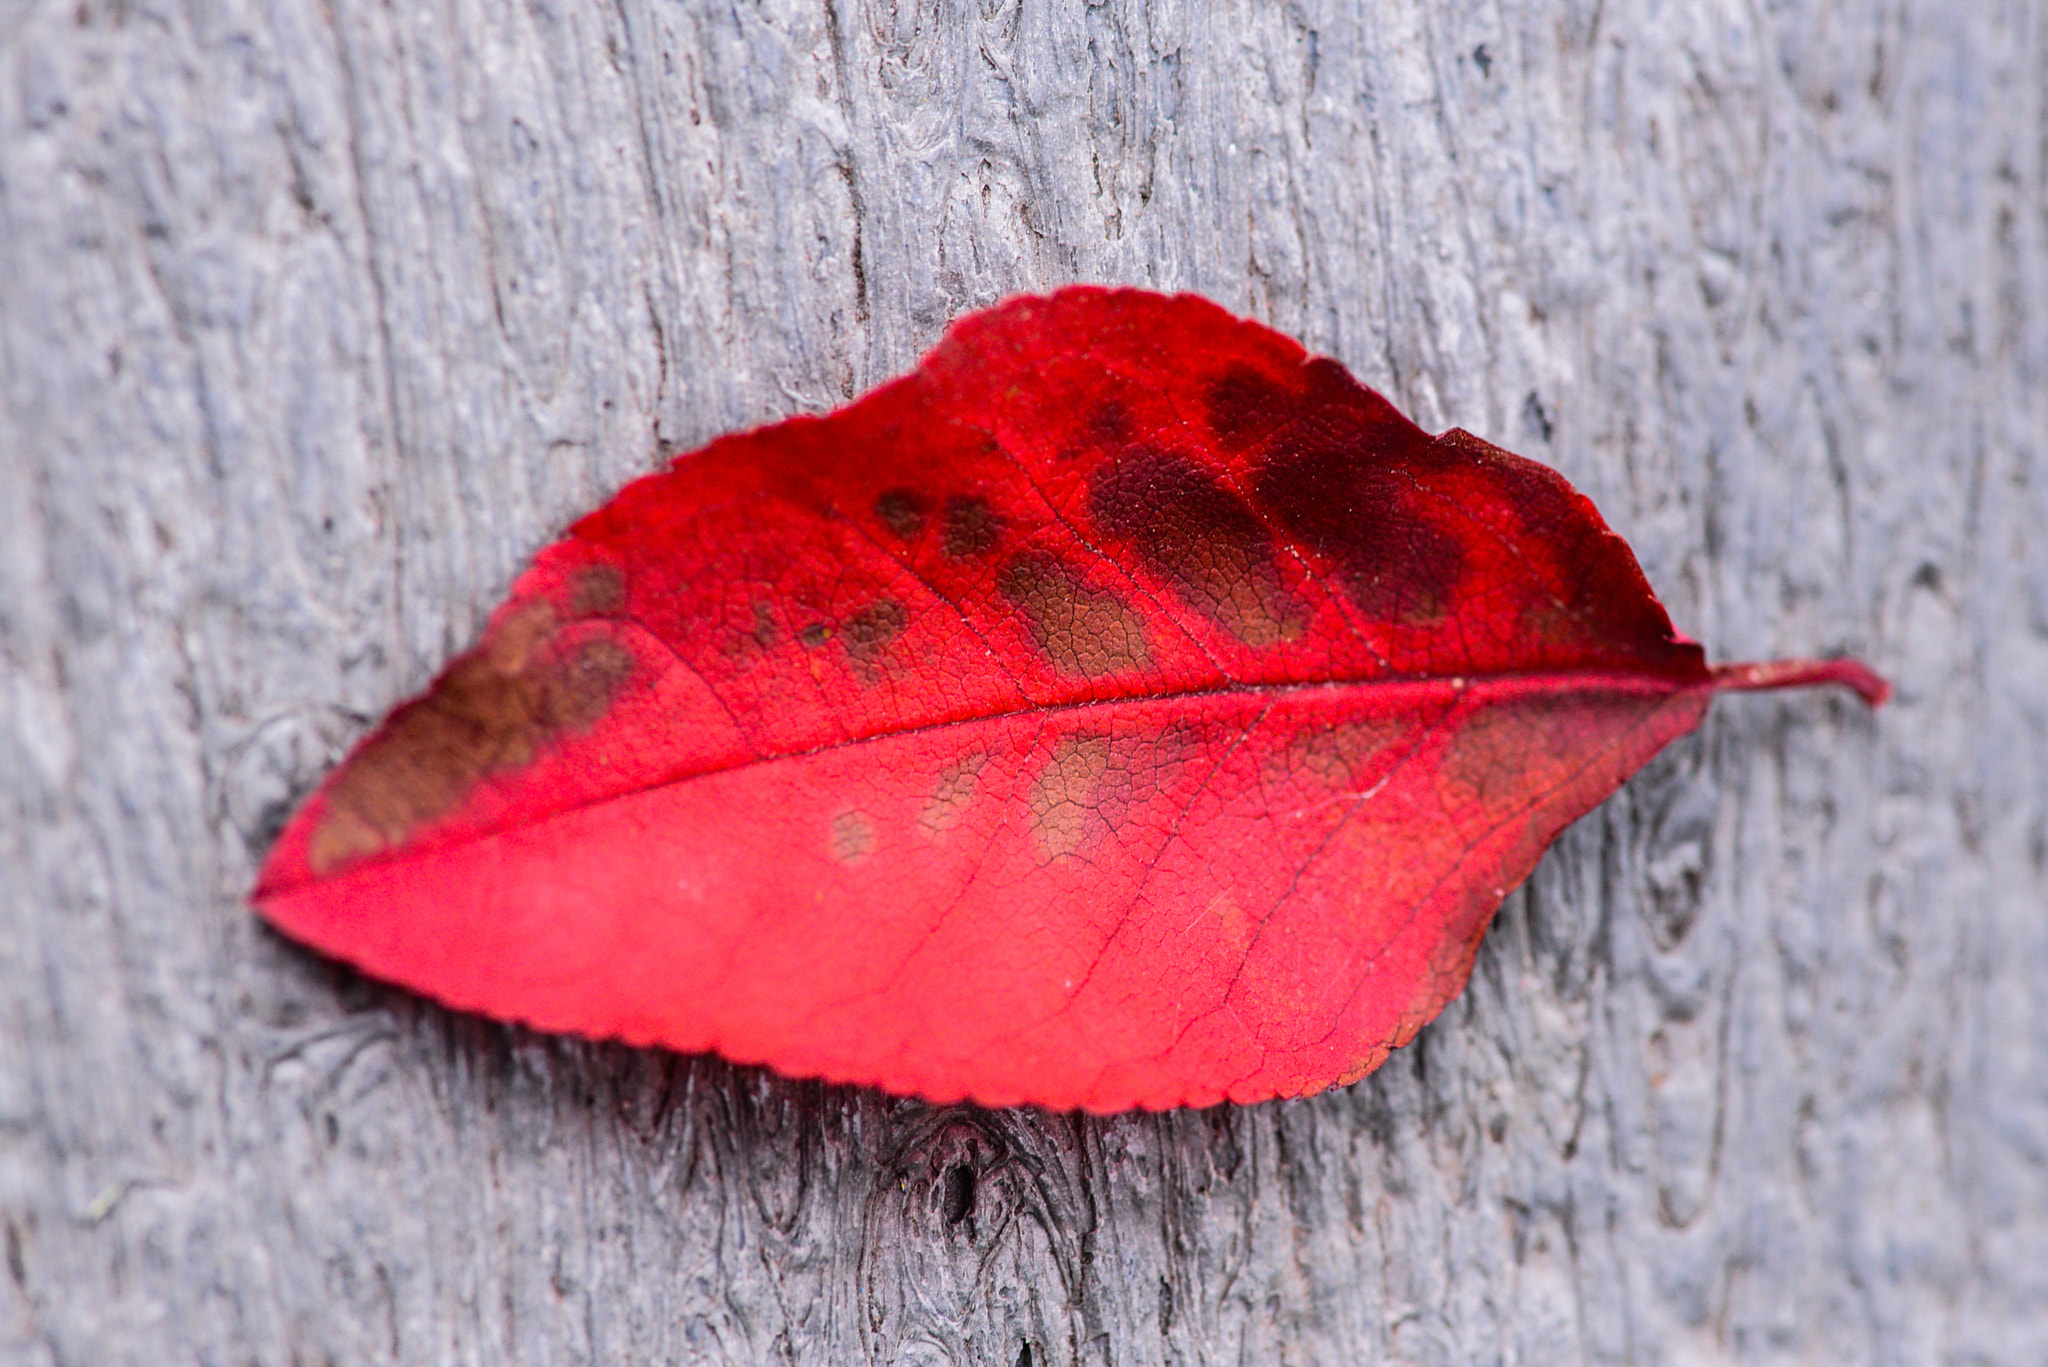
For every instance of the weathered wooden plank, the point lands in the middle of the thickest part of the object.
(314, 320)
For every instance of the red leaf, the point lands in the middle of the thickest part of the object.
(1123, 709)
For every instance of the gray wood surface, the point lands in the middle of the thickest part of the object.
(316, 319)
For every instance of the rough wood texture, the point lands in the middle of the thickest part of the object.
(314, 319)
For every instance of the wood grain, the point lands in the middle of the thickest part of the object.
(316, 319)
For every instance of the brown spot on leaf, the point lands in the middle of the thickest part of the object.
(971, 527)
(853, 837)
(1092, 784)
(1193, 532)
(1081, 629)
(1344, 754)
(584, 685)
(1494, 754)
(947, 808)
(814, 635)
(867, 633)
(1544, 619)
(1066, 797)
(750, 645)
(513, 640)
(343, 837)
(1515, 752)
(902, 512)
(494, 711)
(597, 591)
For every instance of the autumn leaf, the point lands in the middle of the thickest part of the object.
(1123, 709)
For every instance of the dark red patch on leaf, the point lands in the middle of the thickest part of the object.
(1123, 709)
(1371, 520)
(1110, 425)
(1185, 527)
(1245, 407)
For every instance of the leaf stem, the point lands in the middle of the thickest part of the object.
(1803, 674)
